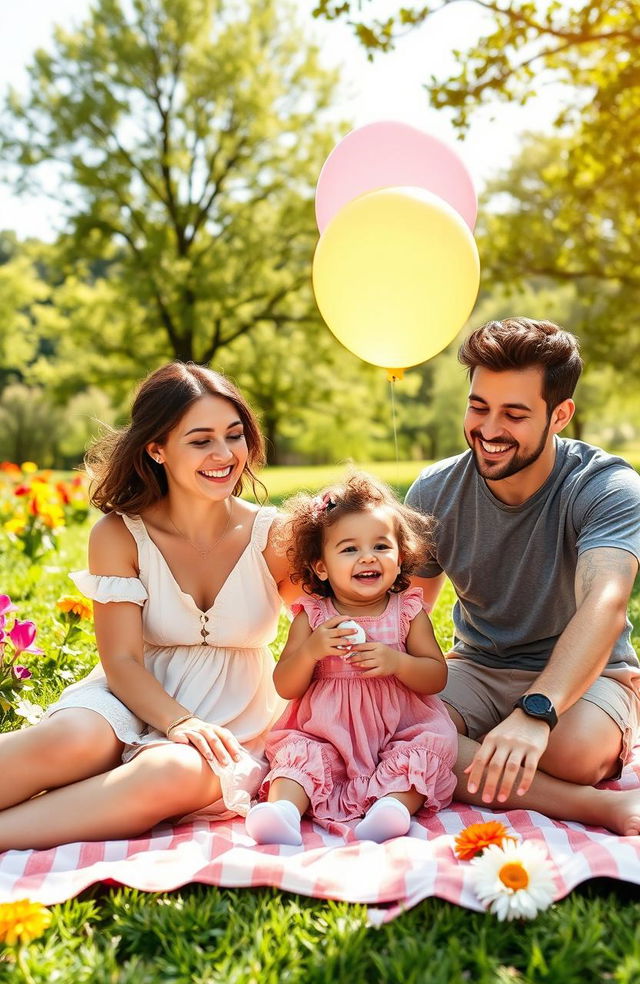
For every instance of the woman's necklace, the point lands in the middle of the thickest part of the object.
(204, 553)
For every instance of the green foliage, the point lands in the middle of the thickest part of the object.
(552, 224)
(30, 426)
(283, 482)
(209, 935)
(566, 212)
(317, 401)
(20, 289)
(587, 44)
(187, 135)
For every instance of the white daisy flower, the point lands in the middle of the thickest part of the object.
(514, 881)
(26, 709)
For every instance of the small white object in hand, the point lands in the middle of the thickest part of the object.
(352, 640)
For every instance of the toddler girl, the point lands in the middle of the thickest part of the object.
(362, 734)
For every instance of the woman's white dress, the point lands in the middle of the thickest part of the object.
(216, 663)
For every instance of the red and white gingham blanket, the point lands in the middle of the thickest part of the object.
(389, 878)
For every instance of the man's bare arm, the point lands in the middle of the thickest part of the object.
(603, 584)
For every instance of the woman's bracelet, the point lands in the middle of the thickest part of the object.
(180, 720)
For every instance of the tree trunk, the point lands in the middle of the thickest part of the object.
(270, 431)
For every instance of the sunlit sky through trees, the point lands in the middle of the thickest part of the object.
(390, 87)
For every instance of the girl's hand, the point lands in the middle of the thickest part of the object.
(375, 659)
(328, 639)
(211, 740)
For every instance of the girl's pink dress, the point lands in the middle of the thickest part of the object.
(350, 740)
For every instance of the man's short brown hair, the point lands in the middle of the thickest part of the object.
(521, 343)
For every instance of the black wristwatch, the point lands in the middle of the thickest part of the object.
(538, 706)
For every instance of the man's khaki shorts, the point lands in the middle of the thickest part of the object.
(483, 696)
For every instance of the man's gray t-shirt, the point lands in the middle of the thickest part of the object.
(513, 567)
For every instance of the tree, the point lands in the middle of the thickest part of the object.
(587, 44)
(552, 227)
(566, 212)
(186, 136)
(22, 294)
(317, 401)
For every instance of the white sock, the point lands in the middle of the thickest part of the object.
(387, 818)
(274, 823)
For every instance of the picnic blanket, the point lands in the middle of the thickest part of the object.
(389, 878)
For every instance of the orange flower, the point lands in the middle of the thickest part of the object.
(62, 491)
(74, 606)
(22, 921)
(474, 838)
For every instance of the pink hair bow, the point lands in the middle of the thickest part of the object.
(323, 503)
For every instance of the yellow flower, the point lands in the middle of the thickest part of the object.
(49, 512)
(29, 467)
(22, 921)
(74, 606)
(15, 525)
(474, 838)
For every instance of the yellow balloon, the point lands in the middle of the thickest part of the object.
(396, 274)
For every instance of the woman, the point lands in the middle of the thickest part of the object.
(185, 580)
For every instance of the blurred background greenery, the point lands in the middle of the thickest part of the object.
(186, 137)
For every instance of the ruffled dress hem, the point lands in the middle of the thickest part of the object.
(412, 767)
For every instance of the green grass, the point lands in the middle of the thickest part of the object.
(282, 481)
(206, 935)
(202, 935)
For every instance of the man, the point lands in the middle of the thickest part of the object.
(540, 536)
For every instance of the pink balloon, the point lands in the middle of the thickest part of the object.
(386, 154)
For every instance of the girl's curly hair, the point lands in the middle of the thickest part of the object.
(302, 537)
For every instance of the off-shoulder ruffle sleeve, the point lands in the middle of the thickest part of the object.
(315, 611)
(104, 589)
(411, 602)
(261, 526)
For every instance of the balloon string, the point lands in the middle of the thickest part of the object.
(392, 383)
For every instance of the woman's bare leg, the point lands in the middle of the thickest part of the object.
(70, 745)
(162, 781)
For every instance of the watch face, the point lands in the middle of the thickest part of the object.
(537, 704)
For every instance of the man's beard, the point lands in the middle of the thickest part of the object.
(514, 465)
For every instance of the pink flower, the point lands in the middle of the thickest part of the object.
(22, 672)
(6, 605)
(22, 635)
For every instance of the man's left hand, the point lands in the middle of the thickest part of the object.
(515, 746)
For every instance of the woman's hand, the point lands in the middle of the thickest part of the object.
(211, 740)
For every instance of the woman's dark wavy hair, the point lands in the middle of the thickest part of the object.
(310, 516)
(520, 343)
(124, 476)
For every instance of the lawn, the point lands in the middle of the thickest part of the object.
(204, 935)
(282, 481)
